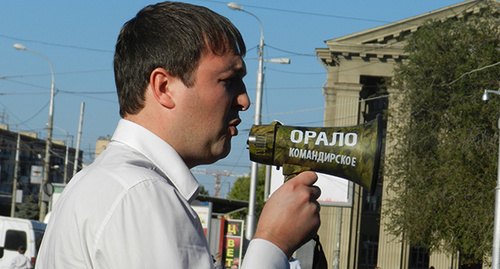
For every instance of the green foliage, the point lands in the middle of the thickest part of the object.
(28, 209)
(241, 191)
(443, 164)
(203, 191)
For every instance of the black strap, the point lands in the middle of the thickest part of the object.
(319, 259)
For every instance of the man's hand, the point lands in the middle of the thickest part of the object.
(290, 217)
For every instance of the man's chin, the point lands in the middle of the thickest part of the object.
(217, 155)
(225, 151)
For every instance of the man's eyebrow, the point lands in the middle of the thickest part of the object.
(241, 70)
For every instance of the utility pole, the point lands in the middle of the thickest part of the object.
(48, 145)
(16, 175)
(78, 139)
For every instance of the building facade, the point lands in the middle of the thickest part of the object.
(30, 164)
(360, 67)
(101, 144)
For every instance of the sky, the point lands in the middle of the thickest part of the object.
(78, 39)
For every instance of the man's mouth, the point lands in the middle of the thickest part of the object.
(232, 126)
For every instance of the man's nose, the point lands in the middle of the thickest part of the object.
(244, 101)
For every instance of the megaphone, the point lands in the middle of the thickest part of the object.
(352, 153)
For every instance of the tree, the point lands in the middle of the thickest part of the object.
(28, 209)
(203, 191)
(443, 162)
(241, 191)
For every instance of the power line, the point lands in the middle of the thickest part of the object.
(23, 122)
(58, 73)
(291, 52)
(25, 83)
(55, 44)
(87, 92)
(296, 73)
(306, 13)
(89, 95)
(21, 93)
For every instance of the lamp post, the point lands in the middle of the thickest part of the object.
(495, 261)
(16, 176)
(251, 218)
(48, 145)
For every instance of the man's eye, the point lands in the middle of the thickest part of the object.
(227, 81)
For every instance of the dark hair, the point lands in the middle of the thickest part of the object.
(173, 36)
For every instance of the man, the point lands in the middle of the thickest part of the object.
(20, 261)
(178, 71)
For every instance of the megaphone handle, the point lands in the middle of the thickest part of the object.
(319, 259)
(288, 177)
(291, 170)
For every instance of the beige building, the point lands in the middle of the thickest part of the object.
(358, 66)
(101, 144)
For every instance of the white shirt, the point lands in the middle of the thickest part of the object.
(295, 264)
(20, 262)
(131, 209)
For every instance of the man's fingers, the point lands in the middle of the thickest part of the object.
(307, 178)
(315, 192)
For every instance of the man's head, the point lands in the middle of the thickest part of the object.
(21, 249)
(179, 73)
(173, 36)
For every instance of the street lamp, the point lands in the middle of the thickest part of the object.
(278, 60)
(486, 97)
(48, 145)
(495, 261)
(251, 218)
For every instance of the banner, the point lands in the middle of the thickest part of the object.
(233, 243)
(36, 174)
(335, 191)
(204, 211)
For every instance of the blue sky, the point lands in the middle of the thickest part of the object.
(78, 38)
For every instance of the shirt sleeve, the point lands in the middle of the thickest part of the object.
(264, 254)
(152, 226)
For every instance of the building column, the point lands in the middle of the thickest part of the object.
(341, 109)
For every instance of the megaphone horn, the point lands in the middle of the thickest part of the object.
(352, 153)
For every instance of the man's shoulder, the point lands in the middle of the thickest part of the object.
(121, 159)
(116, 173)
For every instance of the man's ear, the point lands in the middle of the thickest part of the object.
(160, 82)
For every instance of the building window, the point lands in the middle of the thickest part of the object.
(374, 93)
(419, 258)
(368, 251)
(372, 203)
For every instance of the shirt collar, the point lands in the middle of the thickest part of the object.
(161, 154)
